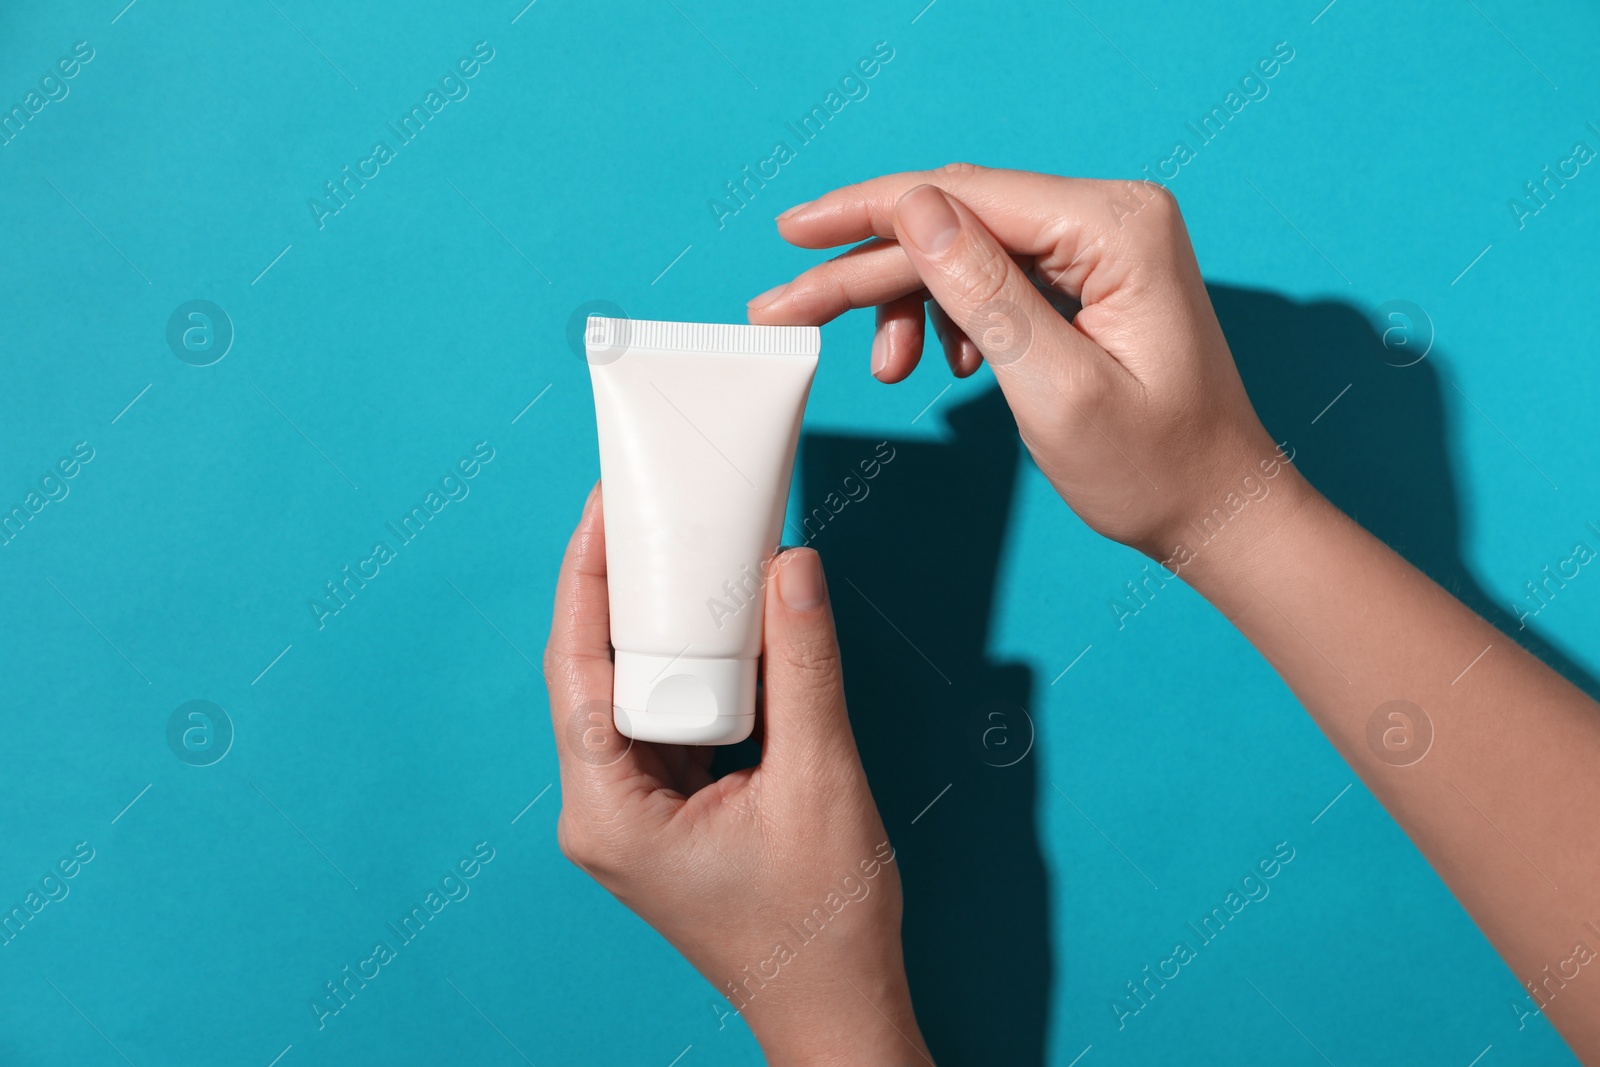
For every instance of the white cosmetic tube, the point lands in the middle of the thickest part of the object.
(698, 428)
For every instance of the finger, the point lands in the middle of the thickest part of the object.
(959, 351)
(808, 734)
(594, 755)
(897, 341)
(687, 767)
(1032, 350)
(869, 274)
(1071, 222)
(873, 274)
(700, 757)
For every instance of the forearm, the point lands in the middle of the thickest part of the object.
(1504, 801)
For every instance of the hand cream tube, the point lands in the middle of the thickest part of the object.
(698, 427)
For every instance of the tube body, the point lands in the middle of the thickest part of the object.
(698, 428)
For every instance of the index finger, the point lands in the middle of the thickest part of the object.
(866, 276)
(1083, 238)
(1030, 213)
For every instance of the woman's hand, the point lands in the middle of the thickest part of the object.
(1132, 407)
(1086, 300)
(777, 882)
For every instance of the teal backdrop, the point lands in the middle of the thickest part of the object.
(241, 344)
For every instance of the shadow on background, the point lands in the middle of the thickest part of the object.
(1380, 453)
(945, 732)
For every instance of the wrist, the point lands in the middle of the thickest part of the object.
(850, 1020)
(1280, 534)
(1240, 522)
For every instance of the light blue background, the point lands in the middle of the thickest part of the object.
(432, 309)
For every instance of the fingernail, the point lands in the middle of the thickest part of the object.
(769, 297)
(970, 357)
(794, 210)
(800, 579)
(927, 218)
(880, 351)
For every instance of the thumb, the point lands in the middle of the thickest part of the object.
(987, 295)
(807, 728)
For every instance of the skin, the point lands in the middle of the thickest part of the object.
(1087, 303)
(789, 853)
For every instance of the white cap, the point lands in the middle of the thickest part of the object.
(684, 700)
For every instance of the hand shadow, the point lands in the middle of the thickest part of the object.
(1364, 412)
(911, 555)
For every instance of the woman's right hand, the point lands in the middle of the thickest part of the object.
(1132, 407)
(1086, 300)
